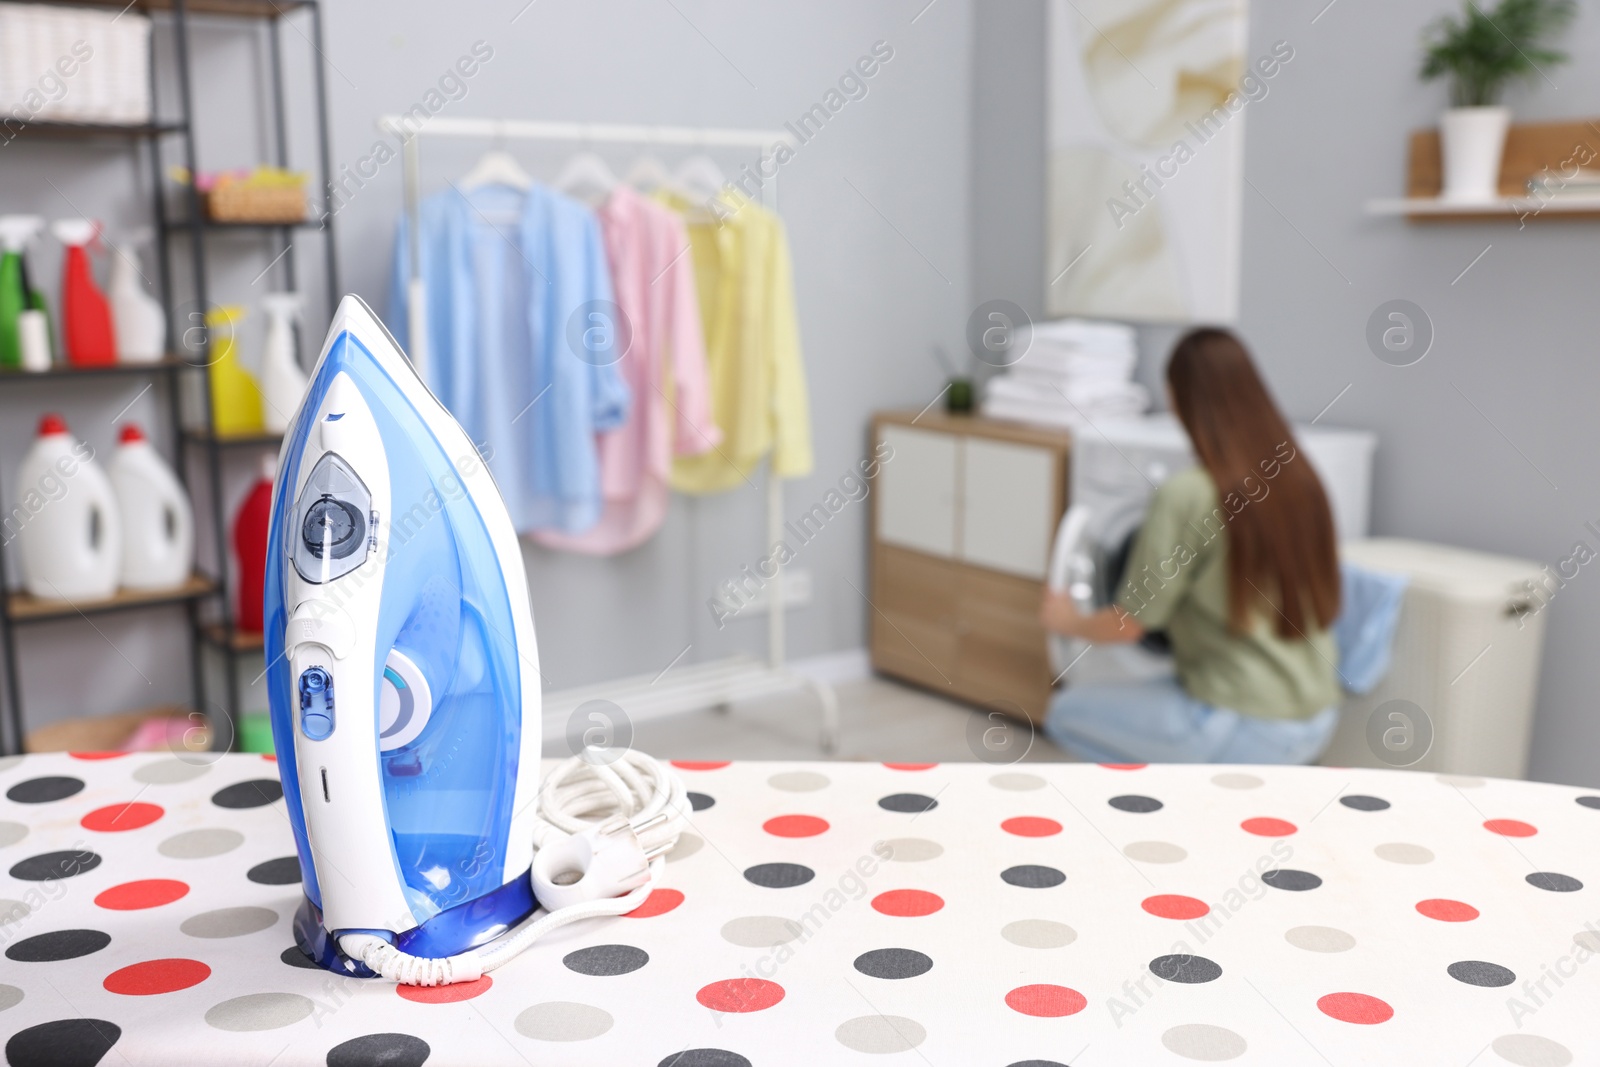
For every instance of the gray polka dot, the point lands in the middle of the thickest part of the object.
(170, 772)
(893, 963)
(199, 844)
(563, 1020)
(1017, 782)
(913, 849)
(1531, 1050)
(13, 911)
(1233, 780)
(1481, 973)
(1201, 1041)
(761, 931)
(11, 833)
(880, 1034)
(229, 922)
(1583, 938)
(1038, 933)
(1155, 852)
(8, 762)
(1320, 939)
(259, 1011)
(687, 846)
(799, 781)
(1400, 852)
(1460, 781)
(10, 997)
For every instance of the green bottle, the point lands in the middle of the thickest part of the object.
(15, 296)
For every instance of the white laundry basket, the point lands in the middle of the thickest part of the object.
(1466, 653)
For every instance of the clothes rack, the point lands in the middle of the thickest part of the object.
(676, 690)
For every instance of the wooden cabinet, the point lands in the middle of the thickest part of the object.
(963, 516)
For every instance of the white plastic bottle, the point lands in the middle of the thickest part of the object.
(69, 532)
(157, 519)
(140, 323)
(283, 383)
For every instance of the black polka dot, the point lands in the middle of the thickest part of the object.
(1364, 803)
(295, 958)
(1188, 970)
(1477, 972)
(1137, 804)
(779, 875)
(1553, 882)
(54, 866)
(256, 793)
(912, 802)
(704, 1057)
(380, 1050)
(1293, 881)
(700, 802)
(63, 1043)
(44, 790)
(285, 870)
(1590, 802)
(605, 961)
(1033, 876)
(58, 945)
(893, 963)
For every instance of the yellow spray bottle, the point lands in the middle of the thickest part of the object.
(235, 396)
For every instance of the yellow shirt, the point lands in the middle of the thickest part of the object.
(758, 385)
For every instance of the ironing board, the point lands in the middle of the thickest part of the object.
(949, 915)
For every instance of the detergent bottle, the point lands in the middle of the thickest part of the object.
(283, 383)
(141, 324)
(157, 521)
(250, 528)
(235, 396)
(24, 330)
(70, 538)
(91, 340)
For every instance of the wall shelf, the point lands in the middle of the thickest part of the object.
(89, 131)
(25, 607)
(60, 371)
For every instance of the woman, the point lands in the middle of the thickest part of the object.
(1237, 563)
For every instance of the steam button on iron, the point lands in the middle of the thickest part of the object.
(316, 703)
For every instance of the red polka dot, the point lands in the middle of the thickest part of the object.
(907, 903)
(1046, 1001)
(96, 755)
(1264, 827)
(1174, 906)
(1031, 826)
(795, 826)
(659, 902)
(269, 757)
(700, 765)
(1509, 828)
(1355, 1008)
(1447, 911)
(740, 995)
(1124, 766)
(147, 893)
(911, 766)
(444, 994)
(156, 976)
(117, 817)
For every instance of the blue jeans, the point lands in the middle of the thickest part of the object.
(1157, 722)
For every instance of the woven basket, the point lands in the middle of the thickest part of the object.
(236, 202)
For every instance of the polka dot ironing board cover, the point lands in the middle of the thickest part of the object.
(955, 914)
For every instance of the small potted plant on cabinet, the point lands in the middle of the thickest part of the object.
(1481, 52)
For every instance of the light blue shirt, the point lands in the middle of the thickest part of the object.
(506, 274)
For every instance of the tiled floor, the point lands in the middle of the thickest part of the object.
(881, 720)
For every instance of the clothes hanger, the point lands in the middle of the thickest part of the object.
(586, 177)
(701, 177)
(649, 174)
(497, 167)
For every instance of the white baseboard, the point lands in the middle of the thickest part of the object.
(835, 668)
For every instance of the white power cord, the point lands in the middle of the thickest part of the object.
(601, 830)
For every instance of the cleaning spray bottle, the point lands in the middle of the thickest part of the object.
(157, 520)
(70, 540)
(250, 529)
(24, 329)
(235, 396)
(91, 341)
(141, 324)
(283, 383)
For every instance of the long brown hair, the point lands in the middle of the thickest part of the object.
(1282, 556)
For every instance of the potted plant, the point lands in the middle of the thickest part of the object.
(1481, 52)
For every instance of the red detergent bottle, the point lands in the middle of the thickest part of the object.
(250, 528)
(89, 337)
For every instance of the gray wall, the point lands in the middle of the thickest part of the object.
(1489, 441)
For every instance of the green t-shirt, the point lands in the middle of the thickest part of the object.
(1177, 581)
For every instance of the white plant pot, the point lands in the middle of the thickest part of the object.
(1472, 140)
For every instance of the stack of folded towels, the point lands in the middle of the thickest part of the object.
(1072, 373)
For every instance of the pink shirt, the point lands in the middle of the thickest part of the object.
(652, 272)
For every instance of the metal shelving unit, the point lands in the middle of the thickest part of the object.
(205, 597)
